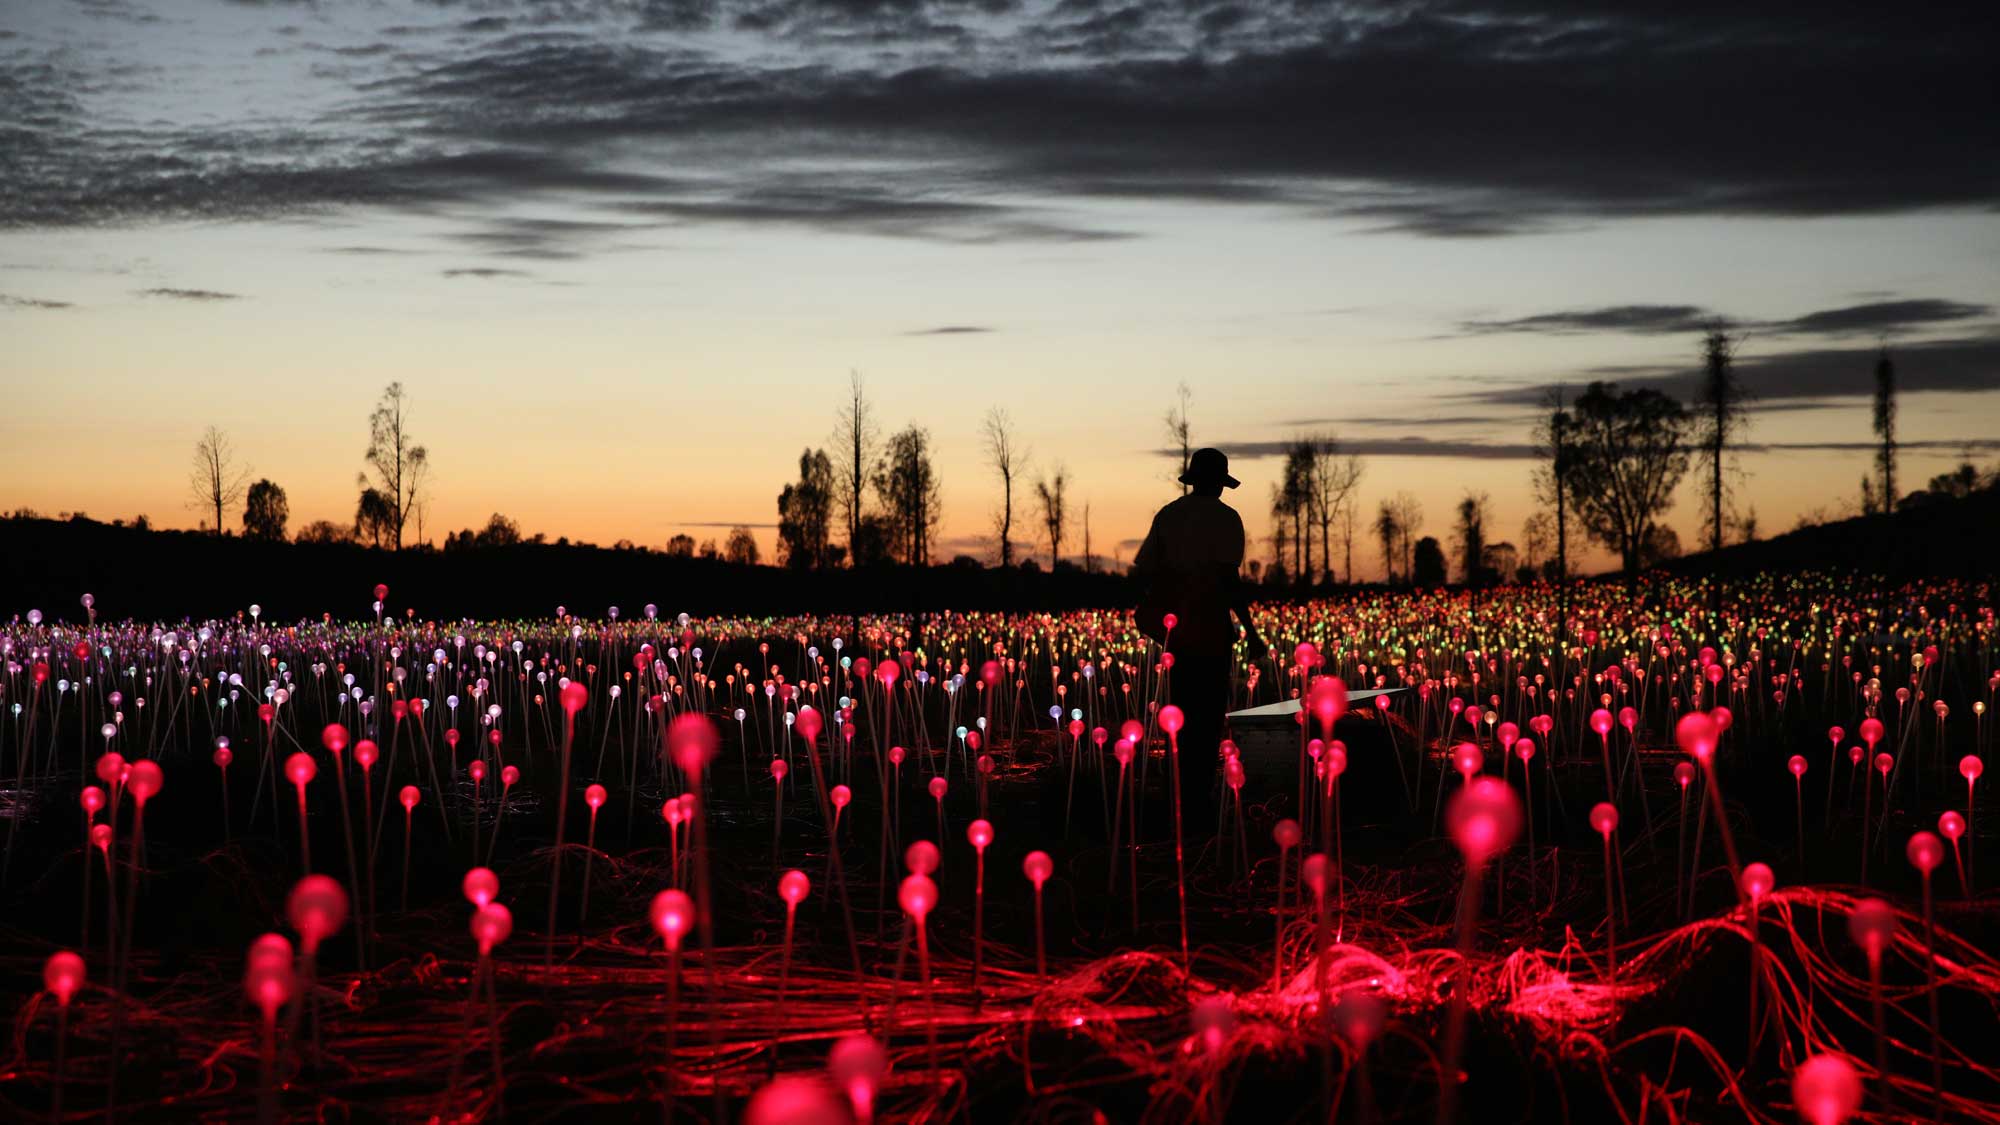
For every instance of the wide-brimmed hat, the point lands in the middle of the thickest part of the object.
(1209, 466)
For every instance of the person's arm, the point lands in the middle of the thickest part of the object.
(1239, 602)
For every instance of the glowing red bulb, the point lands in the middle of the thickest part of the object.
(779, 769)
(222, 757)
(100, 836)
(1872, 925)
(595, 796)
(574, 697)
(1600, 721)
(1827, 1090)
(692, 740)
(841, 795)
(1925, 851)
(937, 787)
(1467, 758)
(62, 975)
(1970, 767)
(491, 925)
(793, 887)
(334, 738)
(509, 775)
(917, 896)
(808, 724)
(1951, 825)
(300, 769)
(1484, 817)
(1316, 872)
(979, 834)
(111, 768)
(1758, 879)
(921, 858)
(317, 908)
(1797, 765)
(856, 1064)
(1037, 866)
(92, 799)
(478, 771)
(1171, 719)
(1604, 818)
(790, 1100)
(673, 916)
(1871, 731)
(1524, 748)
(366, 754)
(1286, 833)
(1884, 762)
(409, 795)
(268, 980)
(480, 886)
(1696, 733)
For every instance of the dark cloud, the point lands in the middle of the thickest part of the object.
(484, 271)
(728, 523)
(10, 302)
(191, 294)
(366, 250)
(1815, 375)
(1640, 319)
(1445, 118)
(1382, 447)
(1881, 317)
(950, 330)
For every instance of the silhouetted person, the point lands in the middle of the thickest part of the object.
(1189, 565)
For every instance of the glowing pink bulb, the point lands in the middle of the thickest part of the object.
(100, 837)
(1214, 1021)
(1871, 731)
(92, 799)
(1872, 925)
(808, 724)
(334, 738)
(1970, 768)
(692, 739)
(1524, 748)
(1696, 733)
(1171, 719)
(1329, 701)
(793, 887)
(1797, 764)
(1604, 818)
(1758, 879)
(1484, 817)
(979, 834)
(509, 775)
(1287, 833)
(317, 908)
(1170, 620)
(1122, 752)
(595, 797)
(841, 794)
(300, 769)
(1884, 762)
(1037, 866)
(409, 795)
(790, 1100)
(856, 1064)
(1305, 655)
(937, 787)
(917, 896)
(779, 769)
(222, 757)
(921, 858)
(269, 981)
(491, 924)
(62, 975)
(1951, 825)
(1925, 852)
(1468, 759)
(673, 916)
(366, 754)
(1827, 1090)
(1600, 721)
(144, 780)
(480, 886)
(477, 770)
(1316, 872)
(574, 697)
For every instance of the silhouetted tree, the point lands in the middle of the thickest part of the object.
(710, 550)
(1427, 563)
(740, 548)
(1180, 435)
(1502, 561)
(401, 465)
(1089, 560)
(265, 511)
(1007, 460)
(1469, 536)
(854, 458)
(1295, 491)
(805, 514)
(325, 531)
(1409, 521)
(1885, 428)
(911, 498)
(1554, 451)
(373, 517)
(498, 532)
(1720, 406)
(681, 546)
(1331, 482)
(1537, 535)
(1049, 490)
(1629, 453)
(1389, 534)
(217, 482)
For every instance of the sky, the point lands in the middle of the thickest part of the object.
(625, 254)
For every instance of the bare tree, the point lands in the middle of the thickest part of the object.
(1089, 560)
(1180, 435)
(1720, 407)
(1295, 492)
(1389, 533)
(1007, 460)
(1885, 428)
(402, 467)
(912, 500)
(1330, 482)
(1347, 528)
(853, 458)
(1468, 536)
(216, 481)
(1409, 521)
(1049, 490)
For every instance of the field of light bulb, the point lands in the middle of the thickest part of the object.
(1683, 855)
